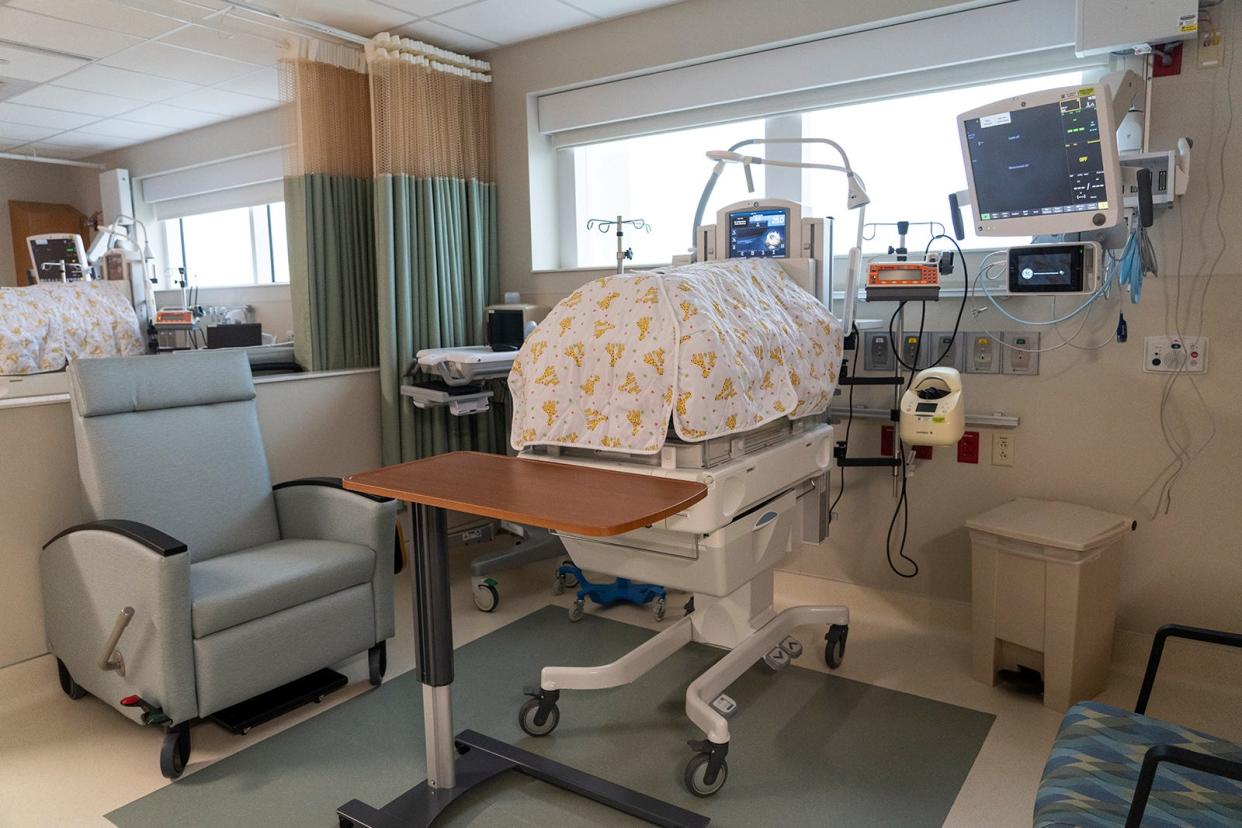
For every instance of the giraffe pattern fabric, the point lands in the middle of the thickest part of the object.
(714, 347)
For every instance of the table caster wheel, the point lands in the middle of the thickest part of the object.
(659, 609)
(175, 751)
(486, 596)
(695, 777)
(834, 649)
(558, 584)
(528, 717)
(577, 610)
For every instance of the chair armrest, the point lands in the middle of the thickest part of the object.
(150, 537)
(1193, 759)
(323, 511)
(88, 574)
(1157, 650)
(328, 483)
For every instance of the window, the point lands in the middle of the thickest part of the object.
(908, 154)
(658, 178)
(906, 149)
(230, 248)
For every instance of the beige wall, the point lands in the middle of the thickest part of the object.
(31, 181)
(1090, 429)
(312, 425)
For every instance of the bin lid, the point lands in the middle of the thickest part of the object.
(1052, 523)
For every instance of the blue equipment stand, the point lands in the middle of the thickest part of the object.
(622, 590)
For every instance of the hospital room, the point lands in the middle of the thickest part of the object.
(620, 413)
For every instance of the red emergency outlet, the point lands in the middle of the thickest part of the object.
(968, 448)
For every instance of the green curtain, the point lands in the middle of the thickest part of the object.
(330, 220)
(436, 269)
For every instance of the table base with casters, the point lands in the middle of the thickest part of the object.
(585, 501)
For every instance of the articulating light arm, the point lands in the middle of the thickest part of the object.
(856, 199)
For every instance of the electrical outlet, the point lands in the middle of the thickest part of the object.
(915, 349)
(1211, 48)
(1170, 355)
(981, 354)
(1023, 357)
(968, 448)
(878, 352)
(1002, 449)
(944, 342)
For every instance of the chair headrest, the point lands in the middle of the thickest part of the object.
(120, 385)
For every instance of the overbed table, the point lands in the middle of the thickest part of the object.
(556, 496)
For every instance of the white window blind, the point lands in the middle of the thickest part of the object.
(243, 181)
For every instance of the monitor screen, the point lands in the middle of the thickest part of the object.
(763, 233)
(1038, 161)
(54, 250)
(1053, 269)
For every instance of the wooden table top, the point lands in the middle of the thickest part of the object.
(560, 496)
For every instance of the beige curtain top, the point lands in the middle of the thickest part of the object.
(327, 115)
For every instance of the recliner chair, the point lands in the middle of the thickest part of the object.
(236, 587)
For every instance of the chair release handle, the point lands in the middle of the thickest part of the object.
(112, 658)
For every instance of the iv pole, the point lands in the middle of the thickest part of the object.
(605, 225)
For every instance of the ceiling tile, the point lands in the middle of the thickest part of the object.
(37, 116)
(178, 64)
(221, 102)
(75, 100)
(507, 22)
(126, 132)
(102, 14)
(264, 83)
(362, 17)
(106, 79)
(32, 65)
(11, 133)
(225, 39)
(616, 8)
(446, 38)
(173, 117)
(61, 35)
(426, 8)
(87, 140)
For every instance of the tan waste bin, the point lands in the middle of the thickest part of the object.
(1044, 584)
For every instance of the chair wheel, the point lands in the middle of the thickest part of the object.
(530, 710)
(486, 597)
(577, 610)
(175, 752)
(72, 689)
(696, 772)
(377, 662)
(834, 649)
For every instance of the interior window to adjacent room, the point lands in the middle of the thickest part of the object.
(907, 151)
(658, 178)
(239, 247)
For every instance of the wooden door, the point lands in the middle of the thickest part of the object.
(31, 218)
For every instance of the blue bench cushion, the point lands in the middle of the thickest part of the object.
(1090, 777)
(232, 589)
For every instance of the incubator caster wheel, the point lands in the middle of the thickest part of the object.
(72, 689)
(539, 716)
(707, 771)
(377, 664)
(577, 610)
(658, 611)
(175, 751)
(834, 649)
(486, 596)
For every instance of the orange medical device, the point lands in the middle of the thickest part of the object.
(902, 281)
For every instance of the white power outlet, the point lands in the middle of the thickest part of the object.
(1170, 355)
(1002, 449)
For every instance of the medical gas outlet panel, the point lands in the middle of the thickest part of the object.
(972, 352)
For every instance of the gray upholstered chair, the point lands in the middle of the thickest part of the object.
(237, 587)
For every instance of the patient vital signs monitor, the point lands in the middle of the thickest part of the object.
(1044, 162)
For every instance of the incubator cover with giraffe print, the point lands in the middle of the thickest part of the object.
(720, 347)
